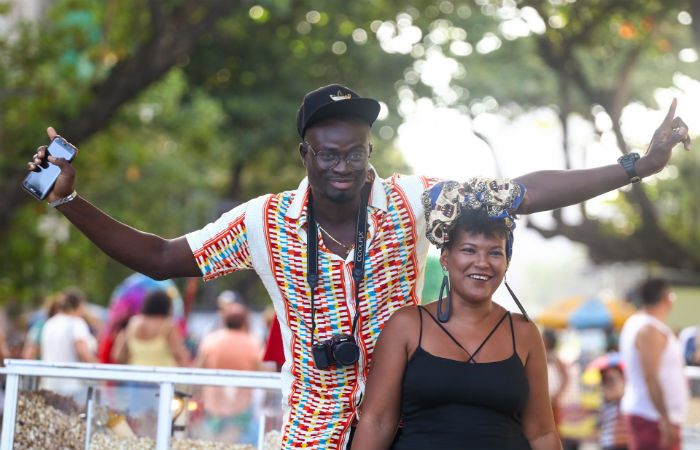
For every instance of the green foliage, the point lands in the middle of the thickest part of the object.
(675, 193)
(260, 82)
(220, 127)
(142, 170)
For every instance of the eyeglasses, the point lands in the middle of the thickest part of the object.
(356, 160)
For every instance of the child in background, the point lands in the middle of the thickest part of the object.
(612, 429)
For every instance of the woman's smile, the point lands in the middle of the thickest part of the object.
(476, 264)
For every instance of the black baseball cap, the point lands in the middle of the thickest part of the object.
(334, 100)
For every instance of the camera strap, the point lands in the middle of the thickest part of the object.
(358, 269)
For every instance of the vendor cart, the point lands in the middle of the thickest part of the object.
(123, 406)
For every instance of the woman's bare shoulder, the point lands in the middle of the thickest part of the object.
(526, 330)
(404, 314)
(403, 320)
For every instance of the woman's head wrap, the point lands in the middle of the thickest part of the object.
(444, 202)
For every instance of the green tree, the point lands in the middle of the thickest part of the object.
(189, 137)
(183, 107)
(584, 60)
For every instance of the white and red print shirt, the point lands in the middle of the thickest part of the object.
(268, 234)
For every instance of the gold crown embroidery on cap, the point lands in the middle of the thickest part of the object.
(340, 96)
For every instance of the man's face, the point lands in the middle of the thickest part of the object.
(344, 138)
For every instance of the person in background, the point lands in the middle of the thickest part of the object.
(656, 390)
(4, 351)
(106, 344)
(689, 338)
(225, 298)
(613, 435)
(557, 374)
(228, 410)
(274, 350)
(151, 338)
(66, 337)
(230, 299)
(32, 345)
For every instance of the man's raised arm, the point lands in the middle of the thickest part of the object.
(147, 253)
(552, 189)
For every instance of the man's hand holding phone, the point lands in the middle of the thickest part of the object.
(40, 183)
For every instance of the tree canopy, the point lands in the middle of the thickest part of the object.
(182, 108)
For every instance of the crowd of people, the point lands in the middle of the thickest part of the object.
(637, 411)
(344, 253)
(65, 331)
(644, 392)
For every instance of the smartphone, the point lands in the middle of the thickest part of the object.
(41, 180)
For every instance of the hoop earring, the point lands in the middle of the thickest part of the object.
(444, 316)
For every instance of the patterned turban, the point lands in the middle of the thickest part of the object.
(444, 202)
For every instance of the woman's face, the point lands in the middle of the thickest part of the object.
(476, 264)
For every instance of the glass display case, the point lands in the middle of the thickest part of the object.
(111, 406)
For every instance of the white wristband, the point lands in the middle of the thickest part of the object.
(64, 200)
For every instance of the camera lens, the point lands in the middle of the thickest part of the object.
(346, 353)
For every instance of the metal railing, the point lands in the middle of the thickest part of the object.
(164, 377)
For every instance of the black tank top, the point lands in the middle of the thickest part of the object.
(449, 404)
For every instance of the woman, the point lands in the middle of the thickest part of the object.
(557, 374)
(32, 344)
(152, 338)
(462, 372)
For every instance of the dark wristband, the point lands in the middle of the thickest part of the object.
(627, 162)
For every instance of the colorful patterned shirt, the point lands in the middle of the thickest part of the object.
(268, 234)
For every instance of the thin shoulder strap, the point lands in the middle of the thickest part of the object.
(420, 316)
(491, 334)
(448, 333)
(512, 331)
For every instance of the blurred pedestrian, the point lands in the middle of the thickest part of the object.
(151, 338)
(109, 336)
(557, 374)
(229, 411)
(613, 435)
(274, 349)
(66, 337)
(229, 299)
(4, 351)
(689, 339)
(32, 344)
(656, 390)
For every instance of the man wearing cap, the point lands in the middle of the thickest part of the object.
(364, 261)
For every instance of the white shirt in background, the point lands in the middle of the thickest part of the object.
(674, 385)
(58, 339)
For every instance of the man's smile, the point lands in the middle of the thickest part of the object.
(342, 183)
